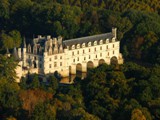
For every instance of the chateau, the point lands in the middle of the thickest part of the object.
(47, 55)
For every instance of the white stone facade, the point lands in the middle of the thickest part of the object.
(47, 55)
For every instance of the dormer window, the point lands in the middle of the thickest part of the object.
(107, 40)
(101, 42)
(78, 46)
(95, 42)
(83, 45)
(89, 44)
(73, 47)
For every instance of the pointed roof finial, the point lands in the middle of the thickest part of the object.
(24, 42)
(15, 54)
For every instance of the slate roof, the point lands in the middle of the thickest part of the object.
(88, 39)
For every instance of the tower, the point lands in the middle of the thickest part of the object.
(114, 32)
(24, 52)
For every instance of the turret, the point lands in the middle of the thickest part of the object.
(15, 54)
(19, 53)
(24, 52)
(114, 32)
(60, 40)
(55, 49)
(61, 48)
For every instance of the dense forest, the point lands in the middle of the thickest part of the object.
(109, 92)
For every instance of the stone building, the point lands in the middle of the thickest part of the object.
(46, 55)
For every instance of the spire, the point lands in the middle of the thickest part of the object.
(15, 54)
(24, 42)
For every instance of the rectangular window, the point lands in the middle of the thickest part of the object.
(113, 45)
(84, 58)
(55, 57)
(60, 57)
(77, 52)
(72, 53)
(55, 64)
(78, 59)
(60, 63)
(101, 48)
(83, 51)
(107, 47)
(89, 50)
(73, 60)
(113, 52)
(50, 66)
(94, 49)
(101, 54)
(50, 59)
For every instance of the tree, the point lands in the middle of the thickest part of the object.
(44, 111)
(7, 68)
(16, 36)
(8, 42)
(137, 115)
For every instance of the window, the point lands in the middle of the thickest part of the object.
(55, 64)
(89, 57)
(113, 52)
(95, 42)
(83, 45)
(94, 49)
(96, 56)
(77, 52)
(73, 47)
(101, 42)
(72, 53)
(55, 57)
(73, 60)
(89, 50)
(89, 44)
(78, 46)
(108, 53)
(113, 45)
(107, 40)
(78, 59)
(35, 58)
(50, 59)
(84, 58)
(60, 63)
(101, 54)
(101, 48)
(50, 65)
(83, 51)
(60, 57)
(107, 47)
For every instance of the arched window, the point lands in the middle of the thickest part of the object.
(95, 42)
(101, 42)
(89, 44)
(78, 46)
(83, 45)
(107, 40)
(73, 47)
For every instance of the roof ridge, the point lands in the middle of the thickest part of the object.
(98, 35)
